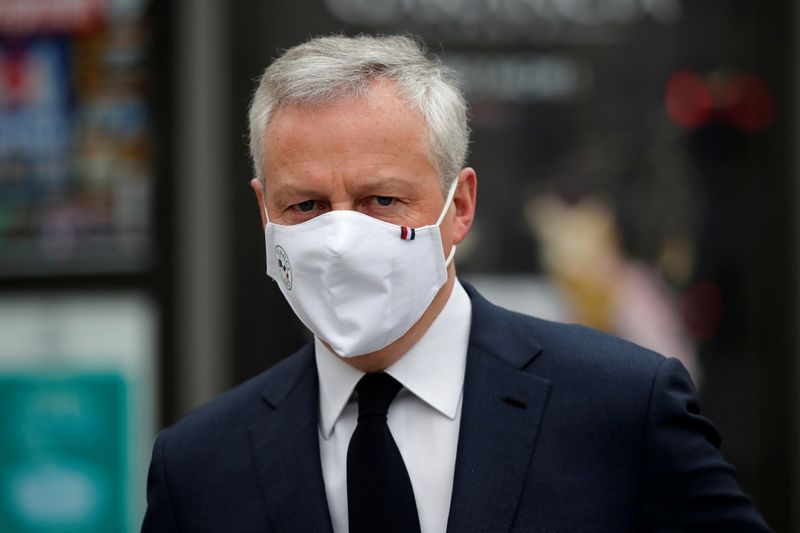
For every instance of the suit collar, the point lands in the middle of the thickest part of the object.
(287, 375)
(489, 325)
(285, 448)
(503, 404)
(503, 333)
(502, 410)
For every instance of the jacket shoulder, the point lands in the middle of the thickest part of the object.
(577, 346)
(562, 349)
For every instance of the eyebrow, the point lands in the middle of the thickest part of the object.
(385, 182)
(294, 190)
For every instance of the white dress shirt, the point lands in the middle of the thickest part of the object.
(424, 418)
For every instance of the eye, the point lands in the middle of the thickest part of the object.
(306, 206)
(384, 200)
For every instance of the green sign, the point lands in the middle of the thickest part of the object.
(63, 453)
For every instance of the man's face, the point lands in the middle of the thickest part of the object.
(364, 155)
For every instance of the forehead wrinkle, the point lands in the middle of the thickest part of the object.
(390, 185)
(383, 95)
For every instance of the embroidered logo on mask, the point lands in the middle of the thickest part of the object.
(283, 265)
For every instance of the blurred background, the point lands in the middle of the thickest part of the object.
(638, 173)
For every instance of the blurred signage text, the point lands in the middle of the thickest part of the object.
(517, 19)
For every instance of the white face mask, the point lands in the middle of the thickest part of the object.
(358, 283)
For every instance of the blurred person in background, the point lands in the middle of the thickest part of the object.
(607, 289)
(419, 405)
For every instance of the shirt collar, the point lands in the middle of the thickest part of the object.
(433, 369)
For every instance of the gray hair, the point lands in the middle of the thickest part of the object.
(327, 68)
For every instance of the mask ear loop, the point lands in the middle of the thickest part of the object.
(450, 256)
(450, 195)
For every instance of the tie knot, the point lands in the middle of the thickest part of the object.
(375, 393)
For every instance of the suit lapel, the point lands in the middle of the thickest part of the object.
(502, 408)
(285, 449)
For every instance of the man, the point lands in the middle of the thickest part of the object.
(420, 406)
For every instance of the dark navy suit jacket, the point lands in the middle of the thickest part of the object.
(563, 429)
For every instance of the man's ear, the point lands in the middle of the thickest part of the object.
(464, 203)
(255, 184)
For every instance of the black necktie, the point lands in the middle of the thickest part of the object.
(379, 493)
